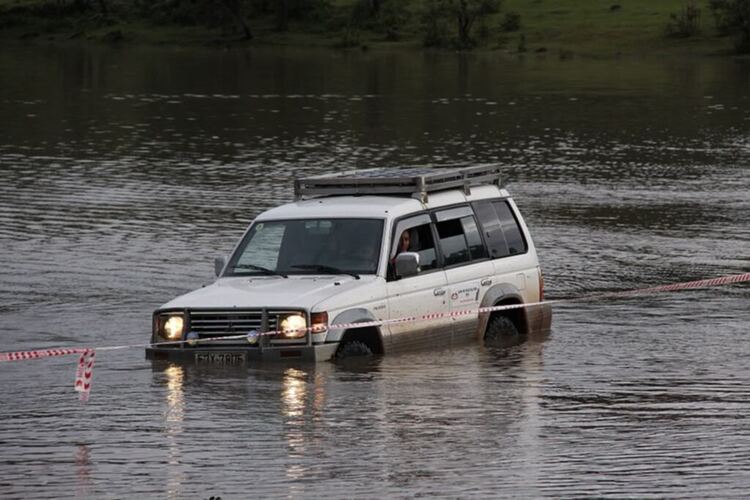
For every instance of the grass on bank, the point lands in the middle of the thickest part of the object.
(599, 28)
(611, 27)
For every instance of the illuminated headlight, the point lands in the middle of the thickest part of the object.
(293, 326)
(171, 326)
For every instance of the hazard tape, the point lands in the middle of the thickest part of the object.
(84, 371)
(46, 353)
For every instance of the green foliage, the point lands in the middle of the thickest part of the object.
(521, 44)
(229, 15)
(391, 18)
(686, 22)
(181, 12)
(349, 38)
(363, 15)
(586, 26)
(57, 9)
(464, 13)
(733, 18)
(720, 11)
(434, 24)
(291, 10)
(385, 17)
(511, 22)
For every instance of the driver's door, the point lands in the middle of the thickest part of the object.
(420, 295)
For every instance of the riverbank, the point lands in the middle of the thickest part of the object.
(567, 28)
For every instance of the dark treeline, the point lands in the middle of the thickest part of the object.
(445, 23)
(455, 24)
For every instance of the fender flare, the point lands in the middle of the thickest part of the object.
(357, 315)
(497, 293)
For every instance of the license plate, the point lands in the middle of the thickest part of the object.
(221, 358)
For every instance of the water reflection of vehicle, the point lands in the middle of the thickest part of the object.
(367, 246)
(289, 423)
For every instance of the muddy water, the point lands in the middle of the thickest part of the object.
(124, 172)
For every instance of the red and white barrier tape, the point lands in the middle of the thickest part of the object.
(85, 373)
(45, 353)
(85, 369)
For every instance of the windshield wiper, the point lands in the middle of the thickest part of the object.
(325, 269)
(263, 270)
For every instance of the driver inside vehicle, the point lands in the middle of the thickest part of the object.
(404, 243)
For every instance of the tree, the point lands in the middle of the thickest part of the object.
(733, 17)
(391, 18)
(234, 8)
(686, 22)
(282, 15)
(285, 11)
(463, 12)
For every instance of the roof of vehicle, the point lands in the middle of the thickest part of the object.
(385, 207)
(388, 192)
(418, 182)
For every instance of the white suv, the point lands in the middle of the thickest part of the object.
(364, 246)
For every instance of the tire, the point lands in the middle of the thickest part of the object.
(501, 332)
(353, 349)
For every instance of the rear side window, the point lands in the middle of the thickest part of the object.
(501, 229)
(460, 240)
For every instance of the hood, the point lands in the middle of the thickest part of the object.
(268, 291)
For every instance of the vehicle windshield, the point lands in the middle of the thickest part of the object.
(309, 246)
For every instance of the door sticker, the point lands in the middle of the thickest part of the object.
(465, 295)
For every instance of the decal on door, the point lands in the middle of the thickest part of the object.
(467, 295)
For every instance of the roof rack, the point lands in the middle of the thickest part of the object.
(416, 181)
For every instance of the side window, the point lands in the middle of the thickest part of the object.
(415, 235)
(476, 246)
(511, 229)
(493, 231)
(501, 229)
(460, 240)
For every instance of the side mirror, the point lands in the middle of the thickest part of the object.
(219, 263)
(407, 264)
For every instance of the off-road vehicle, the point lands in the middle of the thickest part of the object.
(363, 246)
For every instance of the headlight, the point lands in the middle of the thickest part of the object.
(293, 326)
(171, 326)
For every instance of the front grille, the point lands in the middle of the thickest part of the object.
(218, 323)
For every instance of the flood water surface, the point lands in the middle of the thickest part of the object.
(124, 172)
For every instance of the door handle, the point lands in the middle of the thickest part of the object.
(486, 282)
(438, 292)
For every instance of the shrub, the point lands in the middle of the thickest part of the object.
(733, 18)
(686, 22)
(511, 22)
(434, 24)
(463, 14)
(391, 19)
(349, 38)
(521, 44)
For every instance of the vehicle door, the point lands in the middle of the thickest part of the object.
(422, 294)
(468, 269)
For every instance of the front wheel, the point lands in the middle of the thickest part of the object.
(501, 332)
(353, 349)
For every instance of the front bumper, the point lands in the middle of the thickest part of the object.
(228, 354)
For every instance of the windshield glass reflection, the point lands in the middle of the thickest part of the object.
(311, 246)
